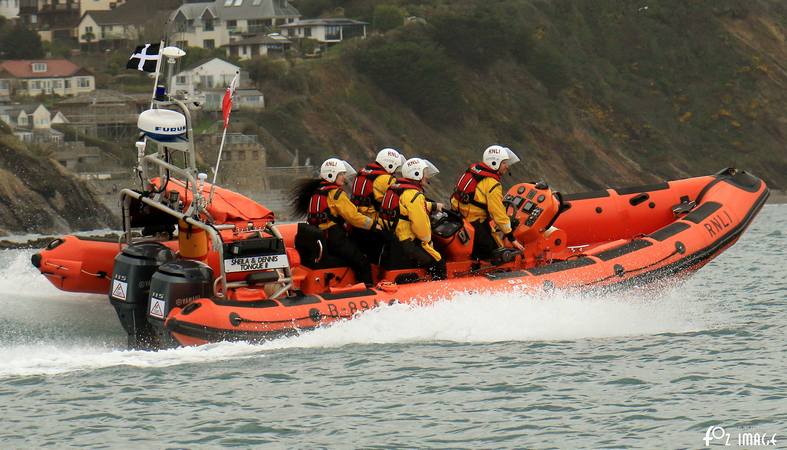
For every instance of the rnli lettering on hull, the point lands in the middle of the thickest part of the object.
(256, 263)
(718, 223)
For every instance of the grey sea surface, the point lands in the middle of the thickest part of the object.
(646, 368)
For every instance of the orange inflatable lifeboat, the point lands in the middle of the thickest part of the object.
(245, 278)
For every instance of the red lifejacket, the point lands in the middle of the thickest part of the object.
(319, 212)
(389, 209)
(464, 192)
(363, 186)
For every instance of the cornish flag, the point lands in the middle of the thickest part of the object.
(144, 58)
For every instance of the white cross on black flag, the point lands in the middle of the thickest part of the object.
(144, 58)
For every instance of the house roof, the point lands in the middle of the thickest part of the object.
(132, 12)
(98, 96)
(193, 11)
(13, 111)
(261, 39)
(205, 61)
(328, 21)
(255, 9)
(54, 68)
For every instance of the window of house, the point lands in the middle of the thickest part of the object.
(39, 67)
(88, 29)
(181, 79)
(67, 84)
(3, 84)
(257, 25)
(307, 32)
(84, 82)
(182, 44)
(208, 43)
(333, 32)
(291, 32)
(255, 155)
(206, 80)
(58, 84)
(208, 25)
(241, 155)
(232, 24)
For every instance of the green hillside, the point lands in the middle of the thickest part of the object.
(589, 94)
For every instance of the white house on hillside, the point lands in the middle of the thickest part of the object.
(210, 79)
(206, 75)
(45, 76)
(326, 31)
(215, 24)
(125, 22)
(31, 123)
(259, 45)
(9, 8)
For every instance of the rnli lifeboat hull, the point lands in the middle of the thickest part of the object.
(723, 206)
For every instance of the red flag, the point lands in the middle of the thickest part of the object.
(226, 107)
(226, 102)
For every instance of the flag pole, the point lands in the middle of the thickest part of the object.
(216, 170)
(158, 70)
(226, 120)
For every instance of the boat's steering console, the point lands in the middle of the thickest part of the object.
(533, 208)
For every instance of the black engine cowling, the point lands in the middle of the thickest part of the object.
(175, 285)
(134, 267)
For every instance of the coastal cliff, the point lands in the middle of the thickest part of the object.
(38, 196)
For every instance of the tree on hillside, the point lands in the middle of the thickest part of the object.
(19, 42)
(412, 69)
(476, 38)
(314, 8)
(263, 69)
(387, 17)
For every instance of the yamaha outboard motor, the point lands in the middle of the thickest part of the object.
(175, 285)
(134, 267)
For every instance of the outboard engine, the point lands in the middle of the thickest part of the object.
(130, 288)
(175, 285)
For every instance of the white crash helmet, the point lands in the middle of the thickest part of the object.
(332, 167)
(417, 168)
(390, 159)
(496, 154)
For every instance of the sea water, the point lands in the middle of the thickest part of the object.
(643, 368)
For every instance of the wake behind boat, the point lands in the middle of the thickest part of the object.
(199, 263)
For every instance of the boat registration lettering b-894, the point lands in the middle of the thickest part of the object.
(249, 263)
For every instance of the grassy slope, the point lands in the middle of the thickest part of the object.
(679, 89)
